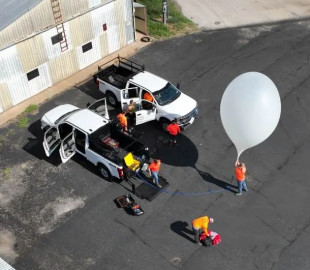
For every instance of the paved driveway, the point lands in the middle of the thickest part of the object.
(56, 216)
(217, 14)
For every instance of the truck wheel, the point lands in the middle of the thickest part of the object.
(112, 100)
(164, 123)
(104, 172)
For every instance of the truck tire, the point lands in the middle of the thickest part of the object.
(104, 172)
(112, 100)
(164, 123)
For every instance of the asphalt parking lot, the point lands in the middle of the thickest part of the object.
(62, 216)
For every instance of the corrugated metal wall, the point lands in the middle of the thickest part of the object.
(53, 65)
(41, 17)
(36, 20)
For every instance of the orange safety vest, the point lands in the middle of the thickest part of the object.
(173, 129)
(154, 167)
(147, 96)
(240, 175)
(122, 119)
(201, 223)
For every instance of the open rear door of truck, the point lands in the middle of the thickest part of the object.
(100, 107)
(51, 140)
(67, 148)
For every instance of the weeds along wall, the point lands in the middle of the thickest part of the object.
(33, 58)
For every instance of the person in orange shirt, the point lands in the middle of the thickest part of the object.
(122, 121)
(240, 171)
(147, 96)
(153, 171)
(173, 130)
(201, 224)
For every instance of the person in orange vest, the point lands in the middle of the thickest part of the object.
(122, 121)
(147, 96)
(153, 171)
(173, 130)
(201, 225)
(240, 171)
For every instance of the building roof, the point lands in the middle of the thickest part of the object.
(11, 10)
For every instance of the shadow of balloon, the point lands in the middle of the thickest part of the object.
(220, 183)
(185, 154)
(180, 228)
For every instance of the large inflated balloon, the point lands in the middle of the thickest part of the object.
(250, 110)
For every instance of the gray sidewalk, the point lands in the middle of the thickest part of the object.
(217, 14)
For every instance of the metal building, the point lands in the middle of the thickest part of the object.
(45, 41)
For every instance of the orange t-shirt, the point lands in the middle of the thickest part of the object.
(240, 175)
(122, 119)
(173, 129)
(154, 167)
(201, 223)
(147, 96)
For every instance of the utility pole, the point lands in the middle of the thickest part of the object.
(165, 11)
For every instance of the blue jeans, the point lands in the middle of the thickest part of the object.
(155, 176)
(242, 185)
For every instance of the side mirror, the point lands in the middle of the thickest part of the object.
(88, 104)
(178, 85)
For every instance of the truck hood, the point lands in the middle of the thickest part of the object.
(181, 106)
(53, 115)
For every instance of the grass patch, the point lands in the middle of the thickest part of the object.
(23, 121)
(31, 109)
(177, 23)
(6, 173)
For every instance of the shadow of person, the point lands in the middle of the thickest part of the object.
(220, 183)
(180, 228)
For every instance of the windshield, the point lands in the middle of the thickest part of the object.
(166, 95)
(64, 116)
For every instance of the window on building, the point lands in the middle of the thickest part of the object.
(87, 47)
(104, 26)
(33, 74)
(57, 38)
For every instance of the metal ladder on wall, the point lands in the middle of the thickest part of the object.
(59, 24)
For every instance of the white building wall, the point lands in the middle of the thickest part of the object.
(53, 65)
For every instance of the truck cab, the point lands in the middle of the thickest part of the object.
(166, 103)
(155, 98)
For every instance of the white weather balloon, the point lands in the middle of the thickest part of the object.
(250, 110)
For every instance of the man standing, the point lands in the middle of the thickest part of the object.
(153, 171)
(240, 171)
(130, 113)
(173, 130)
(122, 121)
(199, 225)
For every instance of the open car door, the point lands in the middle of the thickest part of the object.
(67, 148)
(100, 107)
(129, 94)
(147, 112)
(51, 140)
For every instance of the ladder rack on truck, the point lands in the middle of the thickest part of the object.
(119, 72)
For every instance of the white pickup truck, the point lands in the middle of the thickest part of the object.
(90, 133)
(125, 80)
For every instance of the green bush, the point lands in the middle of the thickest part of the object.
(176, 23)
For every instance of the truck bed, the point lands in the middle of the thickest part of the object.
(118, 74)
(112, 143)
